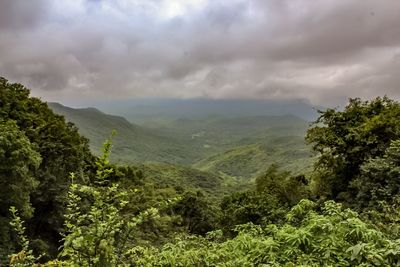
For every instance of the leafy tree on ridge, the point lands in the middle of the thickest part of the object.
(347, 139)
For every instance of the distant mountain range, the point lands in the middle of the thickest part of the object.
(132, 143)
(237, 146)
(147, 110)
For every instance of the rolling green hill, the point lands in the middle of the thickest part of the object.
(132, 143)
(170, 175)
(215, 184)
(250, 160)
(237, 147)
(217, 134)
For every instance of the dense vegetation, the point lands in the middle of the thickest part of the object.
(62, 206)
(211, 143)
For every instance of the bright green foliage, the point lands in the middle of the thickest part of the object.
(25, 256)
(346, 139)
(331, 237)
(98, 232)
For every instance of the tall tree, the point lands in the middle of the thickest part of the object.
(18, 162)
(61, 148)
(346, 139)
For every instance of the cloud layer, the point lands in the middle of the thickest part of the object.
(322, 51)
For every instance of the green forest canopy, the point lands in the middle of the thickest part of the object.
(62, 206)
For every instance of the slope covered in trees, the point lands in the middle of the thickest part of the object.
(39, 150)
(133, 143)
(249, 160)
(62, 206)
(238, 147)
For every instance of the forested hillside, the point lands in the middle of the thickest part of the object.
(133, 143)
(252, 201)
(249, 160)
(238, 147)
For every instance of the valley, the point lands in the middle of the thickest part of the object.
(155, 193)
(234, 147)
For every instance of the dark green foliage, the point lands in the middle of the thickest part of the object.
(275, 192)
(154, 231)
(251, 206)
(199, 216)
(346, 139)
(287, 188)
(168, 175)
(380, 178)
(18, 162)
(271, 181)
(61, 148)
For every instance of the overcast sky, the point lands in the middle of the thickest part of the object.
(323, 51)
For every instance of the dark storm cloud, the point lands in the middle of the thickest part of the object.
(21, 14)
(324, 51)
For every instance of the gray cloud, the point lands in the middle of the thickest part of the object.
(323, 51)
(20, 14)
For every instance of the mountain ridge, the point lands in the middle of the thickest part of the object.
(207, 143)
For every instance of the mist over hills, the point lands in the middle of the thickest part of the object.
(236, 146)
(132, 143)
(152, 109)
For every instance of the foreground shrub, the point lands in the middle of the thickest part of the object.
(312, 236)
